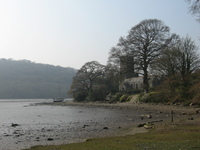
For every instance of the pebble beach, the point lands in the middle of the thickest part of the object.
(49, 123)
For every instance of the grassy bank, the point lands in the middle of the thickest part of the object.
(176, 136)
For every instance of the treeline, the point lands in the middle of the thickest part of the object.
(26, 79)
(148, 50)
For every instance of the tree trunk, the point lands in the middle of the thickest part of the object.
(146, 80)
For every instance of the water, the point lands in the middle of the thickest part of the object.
(46, 124)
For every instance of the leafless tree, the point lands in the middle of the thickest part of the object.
(178, 63)
(194, 8)
(181, 58)
(188, 57)
(87, 74)
(146, 41)
(166, 63)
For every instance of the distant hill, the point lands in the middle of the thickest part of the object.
(25, 79)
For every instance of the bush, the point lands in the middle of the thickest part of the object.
(80, 96)
(112, 98)
(154, 97)
(125, 98)
(195, 94)
(98, 93)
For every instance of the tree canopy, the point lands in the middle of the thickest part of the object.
(148, 50)
(194, 8)
(144, 43)
(85, 79)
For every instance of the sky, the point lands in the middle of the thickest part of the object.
(69, 33)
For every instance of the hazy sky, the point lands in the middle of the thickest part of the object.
(70, 33)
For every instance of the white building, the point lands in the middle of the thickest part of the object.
(136, 83)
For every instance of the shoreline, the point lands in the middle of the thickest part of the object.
(164, 113)
(182, 116)
(131, 105)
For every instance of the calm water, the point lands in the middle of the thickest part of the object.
(45, 124)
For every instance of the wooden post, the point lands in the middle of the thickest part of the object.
(172, 116)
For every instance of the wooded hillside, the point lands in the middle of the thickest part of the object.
(25, 79)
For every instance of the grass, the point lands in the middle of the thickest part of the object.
(163, 137)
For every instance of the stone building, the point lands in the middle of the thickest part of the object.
(127, 67)
(136, 83)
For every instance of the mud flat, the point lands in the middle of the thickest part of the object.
(68, 122)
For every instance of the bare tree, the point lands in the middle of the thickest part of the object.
(182, 58)
(87, 74)
(195, 8)
(188, 56)
(84, 80)
(146, 41)
(166, 63)
(178, 63)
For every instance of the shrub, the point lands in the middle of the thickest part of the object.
(125, 98)
(117, 96)
(80, 96)
(154, 97)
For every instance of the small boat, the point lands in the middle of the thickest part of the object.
(58, 99)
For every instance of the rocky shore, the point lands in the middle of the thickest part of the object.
(152, 107)
(149, 113)
(122, 119)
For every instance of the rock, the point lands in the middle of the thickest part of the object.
(147, 116)
(87, 140)
(85, 125)
(141, 125)
(130, 119)
(190, 118)
(105, 128)
(14, 125)
(5, 134)
(146, 126)
(183, 113)
(191, 104)
(50, 139)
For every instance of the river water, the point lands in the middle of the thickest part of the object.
(23, 124)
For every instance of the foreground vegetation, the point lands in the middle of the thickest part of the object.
(168, 137)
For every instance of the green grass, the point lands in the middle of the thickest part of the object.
(163, 137)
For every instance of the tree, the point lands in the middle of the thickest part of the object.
(189, 58)
(188, 62)
(146, 41)
(84, 80)
(166, 63)
(178, 63)
(195, 8)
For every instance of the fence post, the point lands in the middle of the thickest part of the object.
(172, 116)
